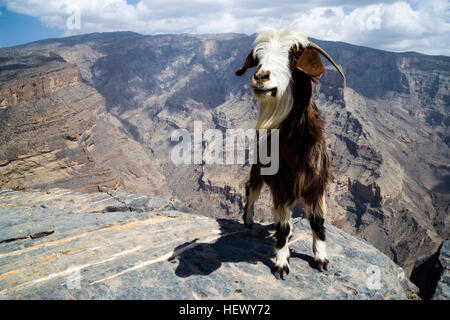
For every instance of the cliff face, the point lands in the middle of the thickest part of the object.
(65, 245)
(55, 131)
(388, 130)
(432, 274)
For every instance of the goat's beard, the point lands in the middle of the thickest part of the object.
(273, 110)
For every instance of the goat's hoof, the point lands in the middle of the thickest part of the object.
(322, 265)
(248, 222)
(281, 272)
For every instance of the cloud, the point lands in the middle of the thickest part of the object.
(411, 25)
(394, 26)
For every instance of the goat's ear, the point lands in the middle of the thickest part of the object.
(249, 62)
(310, 63)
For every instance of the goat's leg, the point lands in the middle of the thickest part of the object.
(252, 191)
(316, 216)
(283, 226)
(252, 195)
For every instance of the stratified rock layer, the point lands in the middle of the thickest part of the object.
(55, 131)
(65, 245)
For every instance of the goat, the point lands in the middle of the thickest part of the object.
(287, 64)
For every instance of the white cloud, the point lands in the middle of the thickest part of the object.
(395, 26)
(422, 26)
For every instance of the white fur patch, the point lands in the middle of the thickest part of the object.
(271, 49)
(282, 255)
(273, 111)
(319, 249)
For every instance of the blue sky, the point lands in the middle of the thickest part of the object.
(18, 29)
(408, 25)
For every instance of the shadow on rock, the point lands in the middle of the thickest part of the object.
(236, 243)
(304, 257)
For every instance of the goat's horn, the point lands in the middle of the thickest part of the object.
(314, 46)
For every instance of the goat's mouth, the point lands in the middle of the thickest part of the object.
(262, 91)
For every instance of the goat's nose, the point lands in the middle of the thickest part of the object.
(262, 75)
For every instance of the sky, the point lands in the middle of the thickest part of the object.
(408, 25)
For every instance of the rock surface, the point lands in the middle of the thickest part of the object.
(432, 274)
(66, 245)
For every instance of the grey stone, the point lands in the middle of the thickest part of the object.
(155, 252)
(443, 286)
(431, 274)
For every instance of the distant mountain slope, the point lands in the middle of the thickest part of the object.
(388, 128)
(55, 131)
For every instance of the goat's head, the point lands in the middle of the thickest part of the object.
(275, 55)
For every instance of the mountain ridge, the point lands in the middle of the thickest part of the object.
(207, 35)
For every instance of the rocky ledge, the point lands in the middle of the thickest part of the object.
(61, 244)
